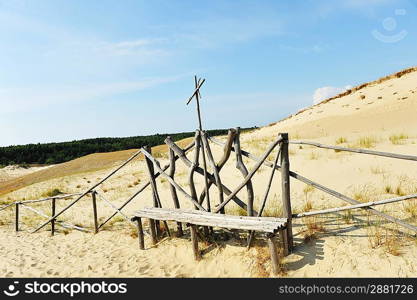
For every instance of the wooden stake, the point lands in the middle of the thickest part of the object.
(242, 168)
(140, 234)
(155, 196)
(153, 232)
(285, 183)
(17, 217)
(173, 190)
(194, 241)
(215, 169)
(274, 253)
(53, 214)
(93, 196)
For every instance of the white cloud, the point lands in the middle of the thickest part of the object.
(24, 99)
(326, 92)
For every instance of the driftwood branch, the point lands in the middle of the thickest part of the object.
(177, 186)
(213, 165)
(197, 146)
(242, 168)
(251, 173)
(363, 151)
(226, 154)
(199, 170)
(172, 188)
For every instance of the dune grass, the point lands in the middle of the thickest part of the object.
(398, 139)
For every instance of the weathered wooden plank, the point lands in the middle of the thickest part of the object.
(362, 151)
(211, 219)
(356, 206)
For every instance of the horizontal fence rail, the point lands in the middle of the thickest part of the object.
(362, 151)
(362, 205)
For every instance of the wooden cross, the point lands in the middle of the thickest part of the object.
(196, 94)
(198, 84)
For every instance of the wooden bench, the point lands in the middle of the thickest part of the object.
(268, 225)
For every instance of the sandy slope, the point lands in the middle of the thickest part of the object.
(380, 115)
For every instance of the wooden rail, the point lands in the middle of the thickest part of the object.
(362, 151)
(324, 189)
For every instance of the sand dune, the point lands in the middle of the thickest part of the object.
(379, 115)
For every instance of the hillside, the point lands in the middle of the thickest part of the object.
(54, 153)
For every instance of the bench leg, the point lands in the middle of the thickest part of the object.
(274, 253)
(194, 241)
(140, 234)
(180, 233)
(153, 231)
(283, 237)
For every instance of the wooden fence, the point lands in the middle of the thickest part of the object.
(202, 142)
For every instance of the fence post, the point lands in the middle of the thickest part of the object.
(151, 173)
(93, 195)
(286, 198)
(53, 214)
(17, 216)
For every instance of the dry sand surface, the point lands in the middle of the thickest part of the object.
(380, 116)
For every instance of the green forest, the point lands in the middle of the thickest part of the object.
(53, 153)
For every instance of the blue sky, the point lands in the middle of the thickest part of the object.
(80, 69)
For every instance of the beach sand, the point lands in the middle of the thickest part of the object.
(380, 116)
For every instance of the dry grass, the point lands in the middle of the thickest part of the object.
(341, 140)
(313, 228)
(52, 192)
(366, 142)
(398, 139)
(313, 155)
(377, 170)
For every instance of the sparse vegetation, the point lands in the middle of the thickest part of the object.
(313, 155)
(398, 139)
(341, 140)
(52, 192)
(366, 142)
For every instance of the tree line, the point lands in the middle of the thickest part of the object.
(53, 153)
